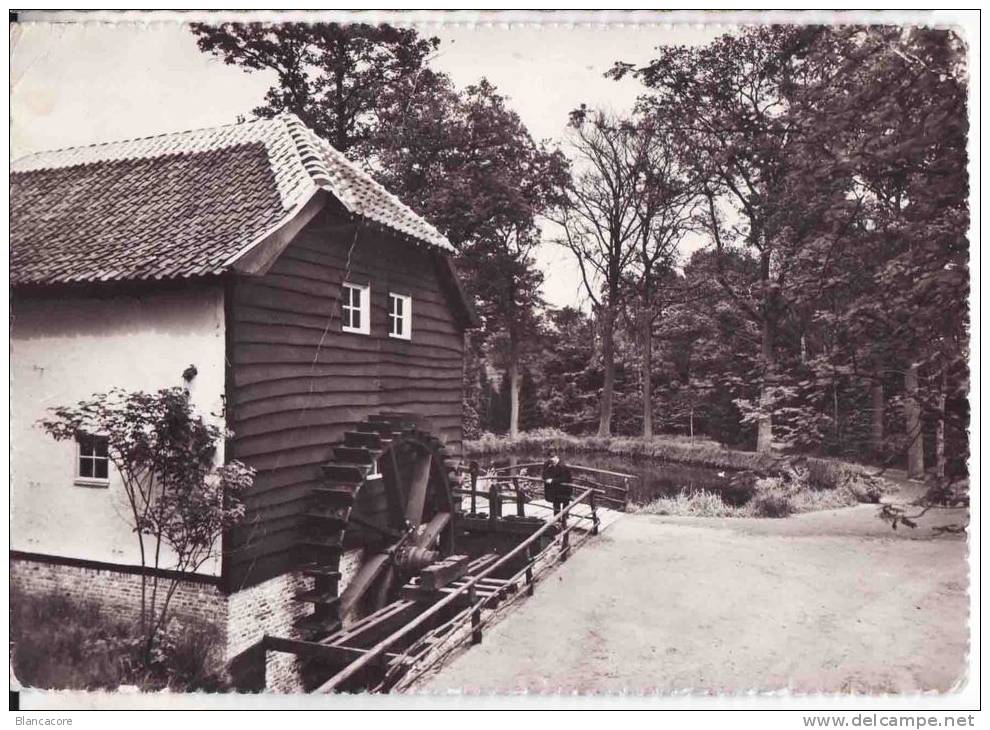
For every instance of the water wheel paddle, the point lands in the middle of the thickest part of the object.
(385, 495)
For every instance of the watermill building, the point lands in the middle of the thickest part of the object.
(318, 311)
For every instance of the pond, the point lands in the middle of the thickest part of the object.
(656, 478)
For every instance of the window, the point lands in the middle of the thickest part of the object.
(375, 472)
(92, 461)
(399, 316)
(357, 309)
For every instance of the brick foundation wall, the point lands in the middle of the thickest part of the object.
(117, 591)
(268, 608)
(244, 617)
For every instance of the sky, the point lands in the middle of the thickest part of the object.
(88, 82)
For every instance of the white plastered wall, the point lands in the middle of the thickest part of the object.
(66, 349)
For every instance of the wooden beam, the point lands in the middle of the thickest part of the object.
(514, 526)
(448, 276)
(259, 256)
(436, 576)
(339, 656)
(371, 628)
(395, 490)
(419, 483)
(362, 582)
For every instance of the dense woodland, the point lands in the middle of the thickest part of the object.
(823, 170)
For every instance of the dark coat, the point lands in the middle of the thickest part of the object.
(557, 482)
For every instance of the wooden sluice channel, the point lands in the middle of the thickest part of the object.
(446, 606)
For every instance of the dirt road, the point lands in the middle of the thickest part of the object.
(822, 602)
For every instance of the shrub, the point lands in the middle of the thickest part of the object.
(58, 642)
(190, 658)
(826, 474)
(178, 496)
(691, 504)
(740, 489)
(772, 505)
(773, 497)
(815, 500)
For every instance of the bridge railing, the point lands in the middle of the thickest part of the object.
(611, 487)
(470, 590)
(500, 496)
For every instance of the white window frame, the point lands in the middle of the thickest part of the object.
(375, 472)
(405, 320)
(92, 481)
(363, 308)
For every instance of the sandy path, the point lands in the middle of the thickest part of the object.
(822, 602)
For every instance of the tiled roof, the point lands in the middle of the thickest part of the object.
(180, 205)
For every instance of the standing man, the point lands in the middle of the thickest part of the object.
(556, 481)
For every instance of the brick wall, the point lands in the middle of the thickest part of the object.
(244, 617)
(118, 592)
(268, 608)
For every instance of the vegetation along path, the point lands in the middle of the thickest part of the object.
(830, 601)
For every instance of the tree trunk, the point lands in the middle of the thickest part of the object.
(764, 433)
(608, 363)
(513, 396)
(912, 419)
(835, 415)
(647, 335)
(876, 417)
(691, 422)
(940, 432)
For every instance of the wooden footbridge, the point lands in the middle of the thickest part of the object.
(506, 540)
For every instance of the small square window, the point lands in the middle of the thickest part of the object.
(399, 316)
(92, 460)
(356, 308)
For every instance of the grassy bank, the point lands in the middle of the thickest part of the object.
(772, 498)
(58, 642)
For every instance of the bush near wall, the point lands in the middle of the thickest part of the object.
(61, 642)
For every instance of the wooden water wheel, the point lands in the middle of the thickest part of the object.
(386, 495)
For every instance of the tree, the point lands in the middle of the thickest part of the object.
(712, 345)
(342, 80)
(600, 225)
(892, 119)
(665, 208)
(568, 381)
(730, 103)
(474, 405)
(503, 181)
(915, 176)
(180, 501)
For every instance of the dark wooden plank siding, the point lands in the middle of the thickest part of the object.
(298, 381)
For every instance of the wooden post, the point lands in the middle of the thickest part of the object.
(594, 514)
(473, 470)
(494, 502)
(529, 572)
(494, 512)
(625, 484)
(520, 499)
(475, 616)
(913, 429)
(565, 543)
